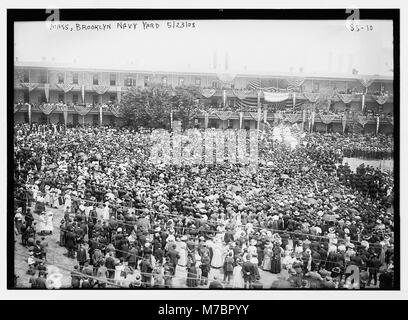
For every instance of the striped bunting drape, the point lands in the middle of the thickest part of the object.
(115, 109)
(208, 93)
(362, 120)
(241, 94)
(366, 82)
(254, 84)
(247, 103)
(346, 98)
(312, 96)
(83, 110)
(380, 99)
(29, 85)
(47, 108)
(292, 117)
(294, 83)
(327, 118)
(66, 87)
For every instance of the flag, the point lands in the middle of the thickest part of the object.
(246, 104)
(254, 84)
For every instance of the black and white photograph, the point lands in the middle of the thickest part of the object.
(204, 150)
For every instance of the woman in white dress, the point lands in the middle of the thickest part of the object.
(218, 251)
(47, 196)
(41, 223)
(237, 279)
(181, 247)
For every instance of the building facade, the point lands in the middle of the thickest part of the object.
(41, 84)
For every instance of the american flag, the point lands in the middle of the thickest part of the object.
(247, 103)
(254, 84)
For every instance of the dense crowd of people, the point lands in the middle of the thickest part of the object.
(127, 222)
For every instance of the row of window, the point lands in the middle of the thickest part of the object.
(129, 81)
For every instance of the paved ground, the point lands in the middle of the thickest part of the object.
(55, 256)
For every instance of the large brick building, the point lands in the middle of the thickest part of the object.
(45, 82)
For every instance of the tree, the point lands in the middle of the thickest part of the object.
(148, 107)
(186, 104)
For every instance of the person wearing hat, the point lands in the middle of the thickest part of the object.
(249, 273)
(174, 256)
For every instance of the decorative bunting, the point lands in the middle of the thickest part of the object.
(208, 93)
(327, 118)
(294, 83)
(223, 115)
(292, 117)
(275, 96)
(312, 96)
(100, 89)
(29, 85)
(47, 108)
(47, 91)
(83, 109)
(362, 120)
(380, 99)
(241, 94)
(366, 82)
(18, 106)
(115, 109)
(346, 98)
(66, 87)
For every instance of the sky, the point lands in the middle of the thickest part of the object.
(252, 46)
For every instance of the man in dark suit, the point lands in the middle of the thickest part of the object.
(248, 272)
(70, 242)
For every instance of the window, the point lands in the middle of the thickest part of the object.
(60, 78)
(130, 81)
(75, 78)
(75, 98)
(43, 77)
(181, 81)
(198, 82)
(26, 96)
(112, 97)
(95, 99)
(61, 97)
(146, 81)
(113, 79)
(95, 79)
(164, 80)
(26, 76)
